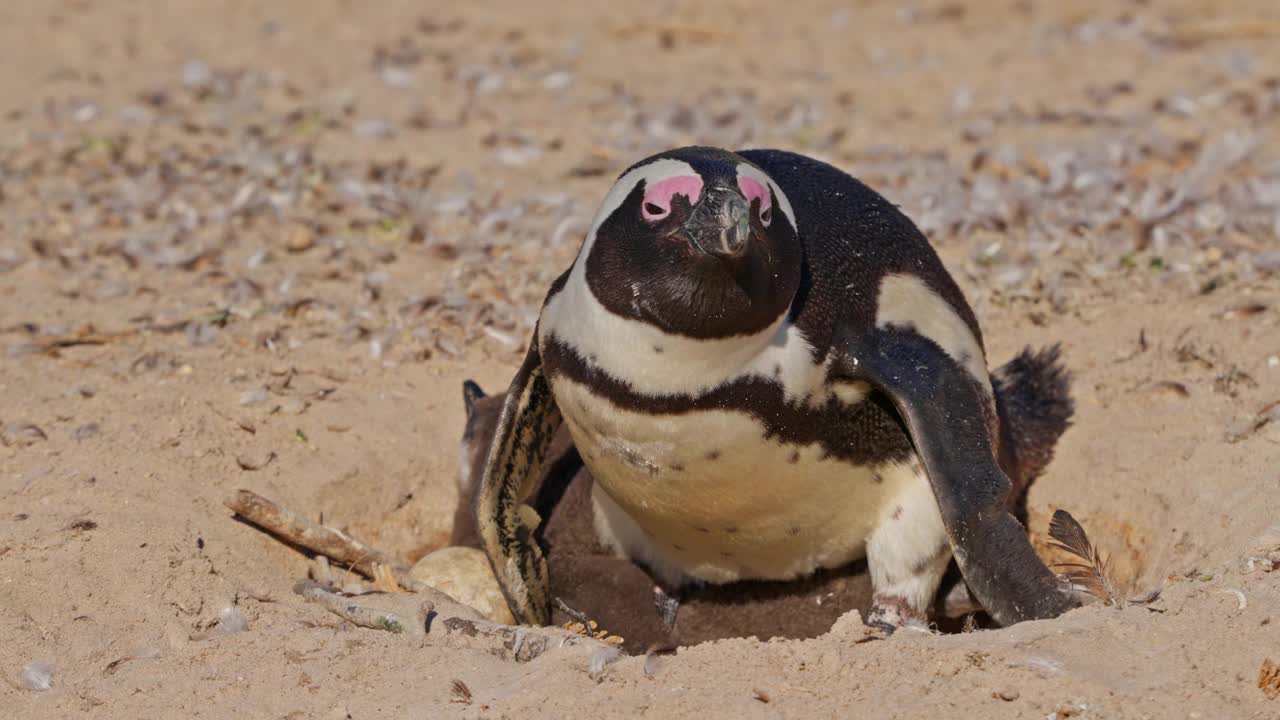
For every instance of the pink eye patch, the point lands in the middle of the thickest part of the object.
(753, 190)
(657, 197)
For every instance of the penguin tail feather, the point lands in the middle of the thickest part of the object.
(1033, 400)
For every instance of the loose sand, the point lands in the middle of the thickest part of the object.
(295, 227)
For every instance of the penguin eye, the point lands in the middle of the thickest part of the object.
(766, 216)
(653, 211)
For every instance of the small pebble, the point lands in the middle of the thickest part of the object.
(10, 260)
(201, 333)
(85, 112)
(196, 74)
(978, 130)
(300, 239)
(294, 406)
(396, 77)
(1008, 694)
(490, 82)
(257, 259)
(379, 129)
(1268, 262)
(253, 397)
(86, 431)
(557, 80)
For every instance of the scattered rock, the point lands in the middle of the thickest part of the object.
(251, 465)
(294, 406)
(196, 74)
(300, 239)
(379, 129)
(464, 574)
(254, 396)
(1268, 262)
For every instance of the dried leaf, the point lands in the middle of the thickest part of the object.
(582, 625)
(1269, 679)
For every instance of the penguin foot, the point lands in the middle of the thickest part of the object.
(890, 612)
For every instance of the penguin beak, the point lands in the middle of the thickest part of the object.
(720, 224)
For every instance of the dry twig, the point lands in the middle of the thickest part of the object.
(335, 544)
(440, 617)
(360, 615)
(437, 614)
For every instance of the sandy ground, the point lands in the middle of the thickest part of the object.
(260, 245)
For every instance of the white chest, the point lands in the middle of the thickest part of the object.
(706, 495)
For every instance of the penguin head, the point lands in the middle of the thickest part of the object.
(696, 241)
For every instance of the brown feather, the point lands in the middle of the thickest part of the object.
(1091, 575)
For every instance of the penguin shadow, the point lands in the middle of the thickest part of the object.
(619, 594)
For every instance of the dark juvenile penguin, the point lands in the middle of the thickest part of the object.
(769, 372)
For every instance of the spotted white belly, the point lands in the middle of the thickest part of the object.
(705, 496)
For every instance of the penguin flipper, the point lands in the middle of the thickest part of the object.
(526, 428)
(940, 403)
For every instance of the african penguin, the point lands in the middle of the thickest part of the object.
(768, 372)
